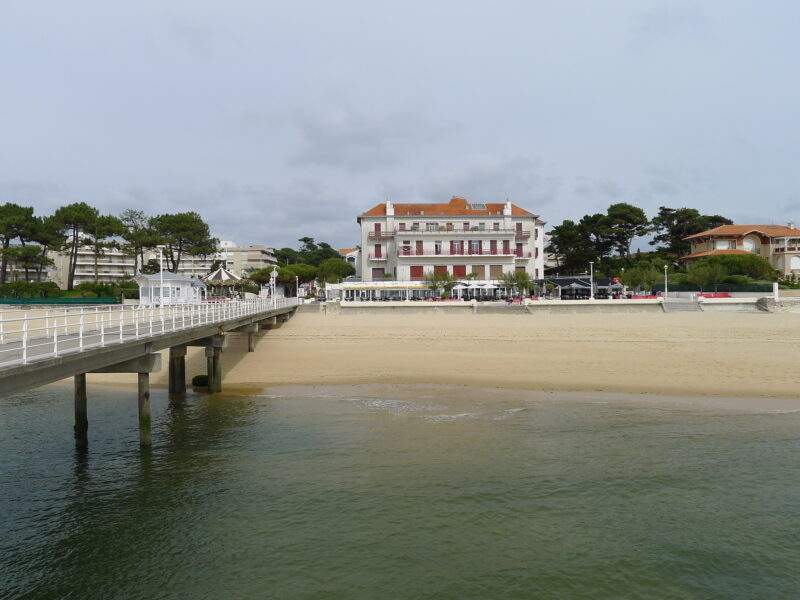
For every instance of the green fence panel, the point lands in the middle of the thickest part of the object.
(722, 287)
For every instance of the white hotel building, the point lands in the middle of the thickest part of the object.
(406, 242)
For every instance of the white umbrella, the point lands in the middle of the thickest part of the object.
(490, 286)
(459, 286)
(474, 286)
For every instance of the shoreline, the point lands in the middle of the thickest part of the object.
(701, 354)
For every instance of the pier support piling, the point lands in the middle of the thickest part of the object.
(145, 438)
(177, 370)
(210, 367)
(81, 415)
(217, 358)
(251, 331)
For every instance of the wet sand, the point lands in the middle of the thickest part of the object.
(743, 355)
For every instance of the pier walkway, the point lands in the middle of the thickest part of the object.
(40, 346)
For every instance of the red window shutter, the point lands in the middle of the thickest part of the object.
(416, 271)
(459, 271)
(506, 247)
(419, 248)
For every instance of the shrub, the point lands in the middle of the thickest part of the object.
(737, 280)
(750, 265)
(200, 381)
(30, 289)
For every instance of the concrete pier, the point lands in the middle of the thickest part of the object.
(210, 367)
(145, 436)
(177, 370)
(217, 359)
(81, 415)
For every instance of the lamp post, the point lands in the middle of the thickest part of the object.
(297, 286)
(272, 277)
(665, 282)
(161, 277)
(591, 280)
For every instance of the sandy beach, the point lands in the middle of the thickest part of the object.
(718, 354)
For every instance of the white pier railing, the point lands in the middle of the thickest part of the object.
(41, 333)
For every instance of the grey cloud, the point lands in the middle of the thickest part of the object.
(365, 139)
(276, 120)
(598, 189)
(522, 180)
(670, 20)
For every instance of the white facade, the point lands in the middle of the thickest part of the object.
(243, 259)
(168, 288)
(114, 265)
(406, 242)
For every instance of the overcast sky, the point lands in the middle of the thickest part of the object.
(281, 119)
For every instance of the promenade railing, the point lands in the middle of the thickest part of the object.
(39, 333)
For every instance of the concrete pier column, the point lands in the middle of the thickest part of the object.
(251, 331)
(81, 416)
(145, 439)
(210, 367)
(177, 370)
(217, 359)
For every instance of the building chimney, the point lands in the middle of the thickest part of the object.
(507, 209)
(791, 224)
(389, 209)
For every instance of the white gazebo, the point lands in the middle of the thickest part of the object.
(169, 288)
(222, 279)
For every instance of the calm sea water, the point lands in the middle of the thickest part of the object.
(397, 493)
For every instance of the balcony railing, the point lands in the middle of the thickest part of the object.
(461, 231)
(373, 256)
(446, 252)
(381, 235)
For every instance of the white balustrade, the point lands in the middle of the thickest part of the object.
(35, 336)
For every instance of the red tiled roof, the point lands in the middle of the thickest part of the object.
(705, 253)
(742, 230)
(346, 251)
(456, 207)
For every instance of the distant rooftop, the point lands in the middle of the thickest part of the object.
(456, 207)
(741, 230)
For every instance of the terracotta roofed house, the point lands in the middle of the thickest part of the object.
(779, 244)
(408, 241)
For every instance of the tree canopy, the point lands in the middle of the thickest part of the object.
(183, 234)
(334, 269)
(310, 253)
(672, 225)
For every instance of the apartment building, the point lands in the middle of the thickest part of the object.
(114, 265)
(779, 244)
(243, 259)
(406, 242)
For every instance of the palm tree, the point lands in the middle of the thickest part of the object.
(441, 283)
